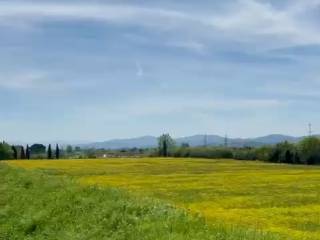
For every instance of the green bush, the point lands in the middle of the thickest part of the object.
(245, 154)
(284, 153)
(202, 152)
(309, 149)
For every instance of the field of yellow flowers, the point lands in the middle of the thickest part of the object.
(282, 199)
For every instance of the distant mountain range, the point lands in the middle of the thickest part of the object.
(140, 142)
(196, 140)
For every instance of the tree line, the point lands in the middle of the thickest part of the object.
(307, 151)
(8, 152)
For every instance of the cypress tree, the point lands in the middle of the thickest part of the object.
(49, 152)
(165, 143)
(288, 157)
(165, 148)
(15, 152)
(28, 152)
(57, 152)
(22, 154)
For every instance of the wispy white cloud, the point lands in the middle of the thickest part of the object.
(250, 20)
(307, 89)
(36, 81)
(247, 21)
(27, 80)
(179, 106)
(140, 71)
(34, 12)
(189, 44)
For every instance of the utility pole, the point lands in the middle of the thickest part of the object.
(226, 140)
(205, 140)
(310, 129)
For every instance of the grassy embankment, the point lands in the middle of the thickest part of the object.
(37, 205)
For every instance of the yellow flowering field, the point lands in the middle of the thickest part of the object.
(284, 199)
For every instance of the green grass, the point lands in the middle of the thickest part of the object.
(38, 205)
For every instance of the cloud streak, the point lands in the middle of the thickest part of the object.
(243, 21)
(140, 71)
(173, 106)
(259, 20)
(97, 12)
(28, 80)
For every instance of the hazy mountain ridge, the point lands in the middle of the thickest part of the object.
(139, 142)
(195, 140)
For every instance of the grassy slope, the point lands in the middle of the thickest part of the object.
(34, 205)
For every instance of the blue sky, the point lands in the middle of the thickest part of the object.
(96, 70)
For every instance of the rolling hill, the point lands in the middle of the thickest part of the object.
(196, 140)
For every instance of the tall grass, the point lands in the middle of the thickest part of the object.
(35, 205)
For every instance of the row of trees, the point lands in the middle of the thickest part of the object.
(35, 151)
(305, 152)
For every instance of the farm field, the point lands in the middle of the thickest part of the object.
(281, 199)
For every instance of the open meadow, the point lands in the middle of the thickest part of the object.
(283, 200)
(159, 120)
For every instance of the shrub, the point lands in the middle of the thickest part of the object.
(244, 154)
(6, 152)
(284, 153)
(309, 149)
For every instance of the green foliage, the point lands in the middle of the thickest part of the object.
(28, 154)
(90, 153)
(15, 152)
(305, 152)
(57, 153)
(38, 149)
(69, 149)
(37, 206)
(207, 152)
(284, 153)
(166, 145)
(245, 154)
(6, 151)
(263, 153)
(183, 151)
(49, 153)
(310, 150)
(22, 153)
(203, 152)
